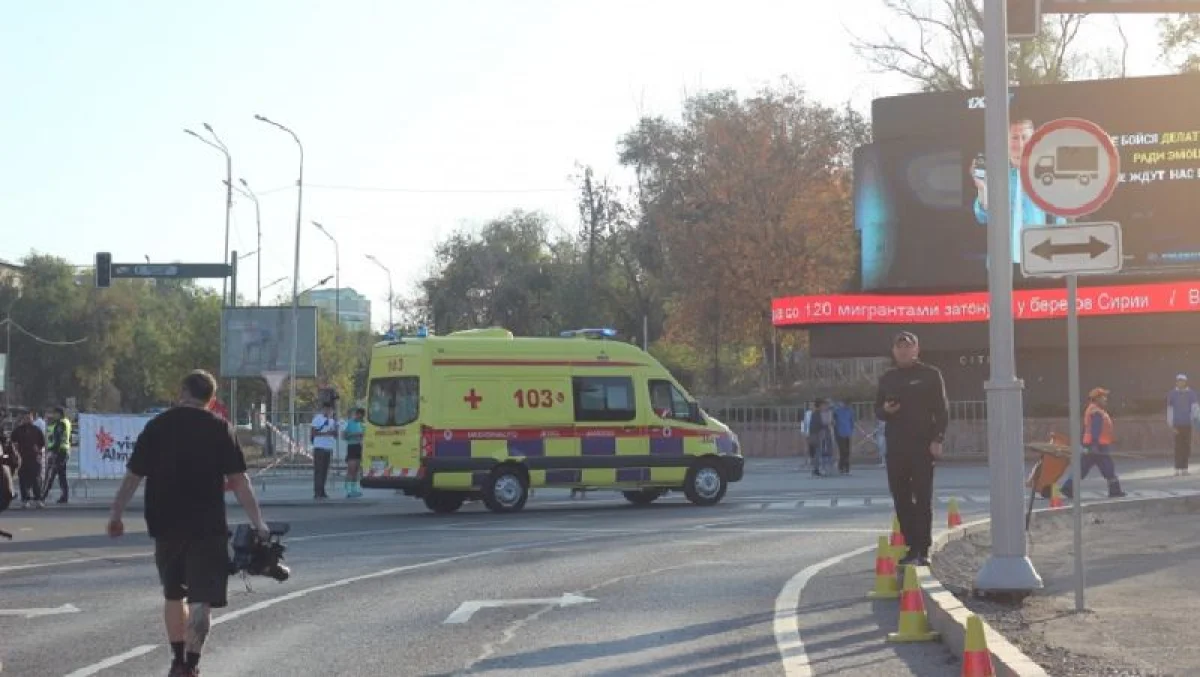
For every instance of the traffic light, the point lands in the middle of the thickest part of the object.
(1024, 18)
(103, 270)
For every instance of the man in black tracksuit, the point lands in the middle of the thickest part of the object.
(912, 401)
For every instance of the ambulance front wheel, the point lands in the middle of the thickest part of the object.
(705, 484)
(444, 502)
(506, 489)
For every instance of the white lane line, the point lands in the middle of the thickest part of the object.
(787, 619)
(78, 560)
(785, 505)
(144, 649)
(114, 661)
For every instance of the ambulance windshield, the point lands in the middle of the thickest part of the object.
(394, 401)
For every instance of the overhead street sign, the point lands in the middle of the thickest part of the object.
(171, 270)
(1120, 6)
(1076, 249)
(1069, 167)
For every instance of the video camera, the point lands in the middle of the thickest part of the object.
(256, 556)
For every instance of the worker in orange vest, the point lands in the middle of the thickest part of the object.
(1097, 443)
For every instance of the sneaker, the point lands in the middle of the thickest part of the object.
(922, 560)
(27, 505)
(62, 501)
(908, 560)
(39, 504)
(178, 670)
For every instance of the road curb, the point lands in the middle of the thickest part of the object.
(948, 615)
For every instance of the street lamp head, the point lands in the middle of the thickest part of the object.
(260, 118)
(208, 127)
(244, 184)
(188, 131)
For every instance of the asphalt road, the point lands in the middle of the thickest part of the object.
(667, 590)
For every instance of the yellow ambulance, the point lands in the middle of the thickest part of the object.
(479, 414)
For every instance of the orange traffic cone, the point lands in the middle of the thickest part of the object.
(977, 660)
(914, 624)
(953, 517)
(899, 547)
(886, 586)
(1056, 499)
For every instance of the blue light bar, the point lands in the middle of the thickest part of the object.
(422, 331)
(603, 332)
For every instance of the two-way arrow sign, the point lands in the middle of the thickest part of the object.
(467, 609)
(1071, 249)
(1093, 247)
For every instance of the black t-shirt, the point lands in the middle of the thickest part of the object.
(185, 453)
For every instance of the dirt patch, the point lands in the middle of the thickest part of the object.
(1140, 572)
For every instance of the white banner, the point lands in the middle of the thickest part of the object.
(106, 442)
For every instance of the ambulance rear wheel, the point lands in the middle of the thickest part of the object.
(705, 484)
(642, 496)
(444, 502)
(506, 490)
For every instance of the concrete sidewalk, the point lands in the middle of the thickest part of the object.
(1141, 571)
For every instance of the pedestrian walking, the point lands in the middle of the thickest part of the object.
(912, 401)
(843, 428)
(1097, 445)
(820, 436)
(29, 444)
(324, 441)
(188, 455)
(1183, 408)
(353, 434)
(58, 446)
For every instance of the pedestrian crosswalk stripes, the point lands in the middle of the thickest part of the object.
(965, 501)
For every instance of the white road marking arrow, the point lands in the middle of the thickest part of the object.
(467, 609)
(34, 613)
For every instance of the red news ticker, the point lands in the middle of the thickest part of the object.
(1037, 304)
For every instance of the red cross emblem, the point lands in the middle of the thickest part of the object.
(473, 399)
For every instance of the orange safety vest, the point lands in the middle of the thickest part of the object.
(1106, 428)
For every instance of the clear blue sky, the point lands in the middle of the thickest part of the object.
(479, 107)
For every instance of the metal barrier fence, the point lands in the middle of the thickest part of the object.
(773, 431)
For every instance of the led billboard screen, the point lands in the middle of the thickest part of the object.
(921, 186)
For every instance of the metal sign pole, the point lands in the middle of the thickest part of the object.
(1075, 429)
(1008, 569)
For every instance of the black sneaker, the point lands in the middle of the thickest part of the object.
(908, 560)
(922, 560)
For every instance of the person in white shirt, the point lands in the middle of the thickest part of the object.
(324, 440)
(39, 421)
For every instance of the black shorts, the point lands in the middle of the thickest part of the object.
(353, 452)
(195, 569)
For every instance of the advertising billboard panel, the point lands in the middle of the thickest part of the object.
(255, 340)
(921, 186)
(1028, 304)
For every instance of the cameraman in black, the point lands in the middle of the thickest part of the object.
(188, 454)
(912, 402)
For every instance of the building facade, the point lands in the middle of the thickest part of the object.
(355, 308)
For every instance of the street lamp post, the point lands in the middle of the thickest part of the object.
(337, 273)
(217, 143)
(295, 275)
(391, 299)
(220, 146)
(245, 190)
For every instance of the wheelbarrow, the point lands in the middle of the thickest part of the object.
(1055, 459)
